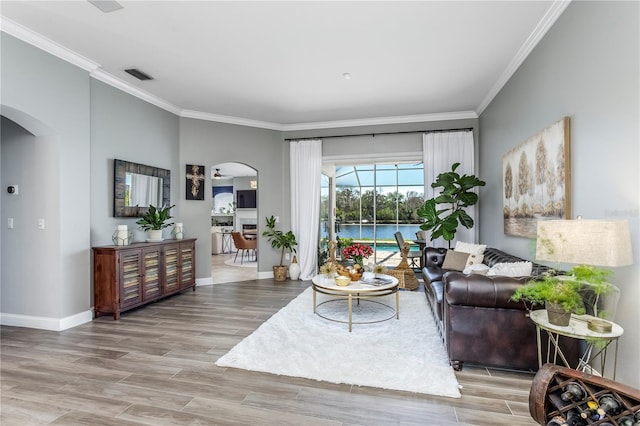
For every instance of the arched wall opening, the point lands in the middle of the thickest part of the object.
(234, 208)
(29, 248)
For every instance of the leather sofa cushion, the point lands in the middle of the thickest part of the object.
(437, 292)
(482, 291)
(493, 256)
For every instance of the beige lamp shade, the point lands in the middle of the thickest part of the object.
(584, 242)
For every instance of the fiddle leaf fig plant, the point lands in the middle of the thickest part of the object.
(443, 214)
(278, 239)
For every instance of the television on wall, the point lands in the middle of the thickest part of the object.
(246, 199)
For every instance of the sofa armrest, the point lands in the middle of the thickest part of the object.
(432, 274)
(434, 257)
(482, 291)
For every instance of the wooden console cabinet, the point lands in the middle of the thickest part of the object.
(125, 277)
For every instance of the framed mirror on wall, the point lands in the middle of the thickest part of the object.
(138, 186)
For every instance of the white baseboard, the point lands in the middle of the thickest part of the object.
(204, 281)
(46, 323)
(209, 280)
(265, 274)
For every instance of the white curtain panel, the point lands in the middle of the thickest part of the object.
(306, 168)
(440, 150)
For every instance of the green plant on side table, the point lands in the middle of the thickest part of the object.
(572, 293)
(154, 221)
(280, 240)
(456, 194)
(560, 296)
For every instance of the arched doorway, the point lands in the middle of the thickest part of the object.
(234, 207)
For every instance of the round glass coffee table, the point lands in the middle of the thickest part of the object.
(365, 290)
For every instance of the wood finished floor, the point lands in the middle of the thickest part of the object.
(155, 366)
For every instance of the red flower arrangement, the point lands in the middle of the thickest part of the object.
(357, 252)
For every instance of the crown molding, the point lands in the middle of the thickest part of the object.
(230, 120)
(111, 80)
(461, 115)
(41, 42)
(95, 70)
(547, 21)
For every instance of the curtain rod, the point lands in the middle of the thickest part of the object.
(466, 129)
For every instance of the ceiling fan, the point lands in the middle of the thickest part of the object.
(219, 175)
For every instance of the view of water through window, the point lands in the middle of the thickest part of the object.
(374, 201)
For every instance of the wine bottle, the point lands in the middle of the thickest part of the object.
(590, 411)
(609, 404)
(574, 419)
(625, 421)
(573, 392)
(556, 421)
(636, 416)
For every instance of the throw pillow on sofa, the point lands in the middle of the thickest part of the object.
(513, 269)
(455, 260)
(480, 269)
(475, 259)
(470, 248)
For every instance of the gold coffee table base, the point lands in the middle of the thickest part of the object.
(358, 291)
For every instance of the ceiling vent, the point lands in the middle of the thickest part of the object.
(106, 6)
(138, 74)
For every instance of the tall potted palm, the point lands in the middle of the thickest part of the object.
(280, 240)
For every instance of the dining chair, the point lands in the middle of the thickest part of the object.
(246, 246)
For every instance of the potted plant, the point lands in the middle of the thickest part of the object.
(154, 221)
(456, 194)
(560, 294)
(280, 240)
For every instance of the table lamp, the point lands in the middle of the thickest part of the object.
(587, 242)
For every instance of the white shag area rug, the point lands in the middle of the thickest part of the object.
(245, 263)
(403, 354)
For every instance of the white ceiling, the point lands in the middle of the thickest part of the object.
(280, 65)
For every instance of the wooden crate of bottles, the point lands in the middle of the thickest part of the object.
(562, 396)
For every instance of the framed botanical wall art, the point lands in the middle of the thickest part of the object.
(195, 182)
(536, 178)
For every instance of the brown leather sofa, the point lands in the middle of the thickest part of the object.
(476, 318)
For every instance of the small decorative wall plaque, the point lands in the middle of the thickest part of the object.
(195, 182)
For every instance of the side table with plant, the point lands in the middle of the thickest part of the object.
(560, 296)
(579, 290)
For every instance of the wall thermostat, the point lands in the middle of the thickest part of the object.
(12, 189)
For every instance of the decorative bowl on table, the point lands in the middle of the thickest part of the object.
(342, 280)
(355, 276)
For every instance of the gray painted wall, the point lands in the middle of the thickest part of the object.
(50, 98)
(209, 143)
(127, 128)
(587, 68)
